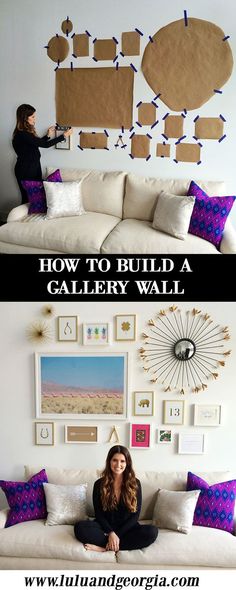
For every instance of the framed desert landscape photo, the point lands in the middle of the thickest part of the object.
(81, 385)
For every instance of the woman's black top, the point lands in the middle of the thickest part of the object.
(26, 146)
(119, 520)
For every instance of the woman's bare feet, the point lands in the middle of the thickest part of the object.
(90, 547)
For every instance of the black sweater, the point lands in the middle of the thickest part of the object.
(119, 520)
(26, 146)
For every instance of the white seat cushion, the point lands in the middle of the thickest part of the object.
(133, 236)
(72, 235)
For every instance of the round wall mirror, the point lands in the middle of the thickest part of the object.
(184, 349)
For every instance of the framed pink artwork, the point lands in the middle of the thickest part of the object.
(140, 436)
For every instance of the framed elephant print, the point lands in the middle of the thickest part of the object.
(143, 403)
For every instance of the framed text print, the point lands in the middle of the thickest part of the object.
(173, 412)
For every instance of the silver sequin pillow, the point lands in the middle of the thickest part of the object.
(64, 199)
(65, 504)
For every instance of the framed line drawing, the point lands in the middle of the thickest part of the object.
(191, 444)
(143, 403)
(81, 434)
(173, 412)
(164, 436)
(68, 328)
(84, 386)
(140, 436)
(207, 415)
(125, 327)
(66, 144)
(96, 333)
(44, 433)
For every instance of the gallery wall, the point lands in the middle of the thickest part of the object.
(28, 75)
(18, 410)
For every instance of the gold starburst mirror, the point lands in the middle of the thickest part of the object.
(182, 350)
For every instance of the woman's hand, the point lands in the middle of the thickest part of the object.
(68, 132)
(113, 543)
(51, 131)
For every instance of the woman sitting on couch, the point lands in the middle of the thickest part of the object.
(117, 499)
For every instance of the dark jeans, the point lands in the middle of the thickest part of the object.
(138, 537)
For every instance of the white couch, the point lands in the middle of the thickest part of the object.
(120, 209)
(32, 545)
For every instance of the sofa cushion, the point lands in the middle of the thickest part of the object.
(34, 539)
(64, 199)
(213, 549)
(36, 193)
(175, 510)
(70, 477)
(133, 236)
(141, 193)
(26, 499)
(72, 235)
(65, 504)
(216, 503)
(209, 214)
(172, 214)
(102, 192)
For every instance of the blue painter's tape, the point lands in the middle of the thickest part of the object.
(107, 134)
(79, 146)
(95, 59)
(73, 55)
(223, 119)
(183, 115)
(166, 115)
(185, 111)
(148, 135)
(131, 155)
(148, 158)
(121, 53)
(200, 144)
(139, 124)
(115, 58)
(117, 65)
(46, 46)
(199, 162)
(195, 137)
(218, 91)
(124, 146)
(106, 148)
(221, 138)
(133, 67)
(157, 96)
(185, 18)
(132, 135)
(154, 124)
(165, 136)
(80, 131)
(225, 38)
(176, 161)
(139, 103)
(94, 40)
(88, 33)
(150, 39)
(196, 118)
(131, 128)
(180, 139)
(72, 35)
(55, 69)
(139, 32)
(71, 66)
(155, 105)
(114, 39)
(57, 35)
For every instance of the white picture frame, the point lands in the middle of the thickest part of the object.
(173, 412)
(81, 434)
(207, 414)
(143, 403)
(191, 443)
(96, 333)
(67, 328)
(125, 327)
(67, 143)
(44, 433)
(164, 436)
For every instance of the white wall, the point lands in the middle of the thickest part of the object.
(17, 394)
(28, 76)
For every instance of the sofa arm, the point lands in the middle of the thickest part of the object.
(18, 212)
(3, 517)
(228, 242)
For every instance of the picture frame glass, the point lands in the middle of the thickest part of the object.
(62, 145)
(143, 403)
(125, 327)
(207, 415)
(173, 412)
(191, 444)
(67, 328)
(164, 436)
(96, 334)
(44, 433)
(81, 385)
(140, 436)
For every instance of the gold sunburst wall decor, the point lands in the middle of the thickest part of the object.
(182, 350)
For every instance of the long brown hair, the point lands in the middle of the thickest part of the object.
(23, 112)
(129, 483)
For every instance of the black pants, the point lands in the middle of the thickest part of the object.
(138, 537)
(32, 174)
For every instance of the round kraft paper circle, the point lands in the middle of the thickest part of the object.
(66, 26)
(187, 64)
(58, 48)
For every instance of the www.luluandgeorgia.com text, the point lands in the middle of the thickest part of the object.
(114, 581)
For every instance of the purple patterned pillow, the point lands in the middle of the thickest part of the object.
(26, 499)
(209, 215)
(215, 505)
(36, 193)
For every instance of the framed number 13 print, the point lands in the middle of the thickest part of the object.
(173, 412)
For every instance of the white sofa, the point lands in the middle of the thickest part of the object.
(119, 214)
(32, 545)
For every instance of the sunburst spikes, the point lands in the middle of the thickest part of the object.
(162, 312)
(144, 335)
(173, 308)
(196, 389)
(221, 363)
(142, 350)
(153, 380)
(39, 332)
(48, 310)
(207, 317)
(182, 392)
(227, 353)
(167, 389)
(215, 375)
(196, 311)
(227, 337)
(151, 322)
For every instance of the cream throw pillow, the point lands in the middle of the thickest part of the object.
(172, 214)
(65, 504)
(63, 199)
(175, 510)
